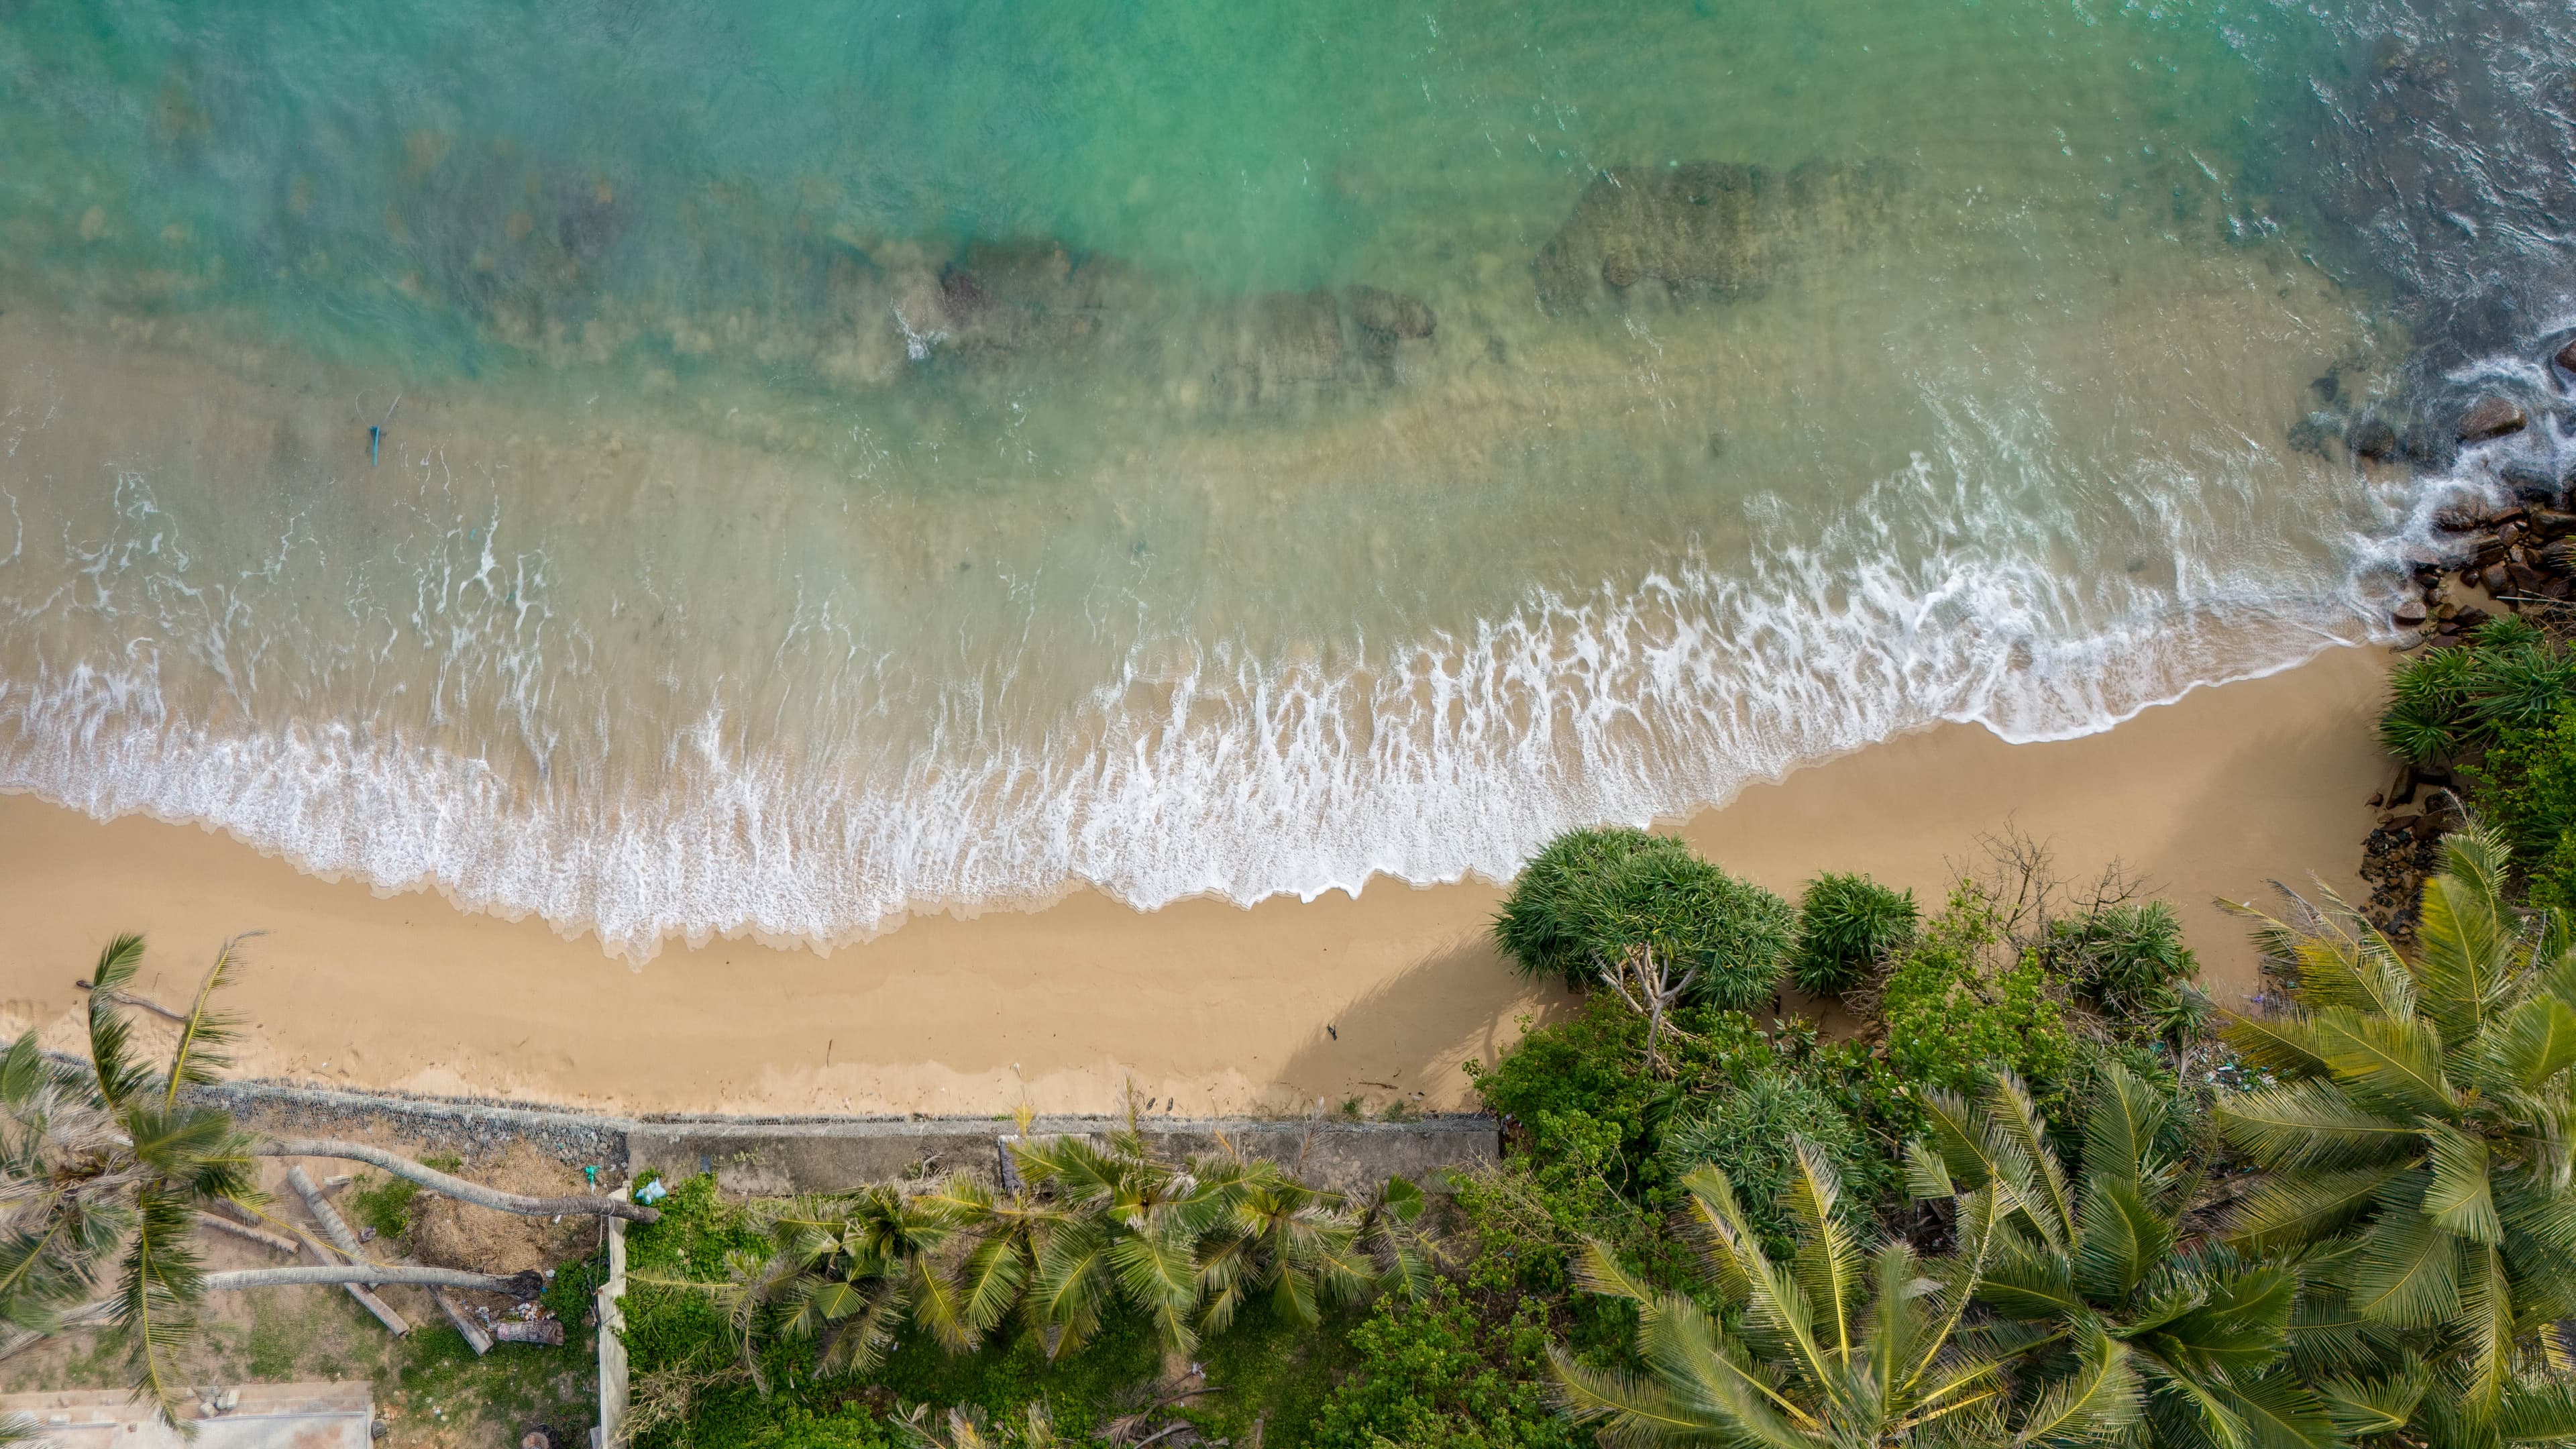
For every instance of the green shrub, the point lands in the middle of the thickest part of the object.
(1751, 1133)
(1431, 1376)
(1593, 895)
(2126, 957)
(1951, 1015)
(1846, 925)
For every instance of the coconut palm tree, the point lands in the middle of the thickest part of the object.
(1297, 1243)
(847, 1272)
(1839, 1348)
(2417, 1138)
(1131, 1232)
(2112, 1256)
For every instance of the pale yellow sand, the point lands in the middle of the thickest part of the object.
(1216, 1008)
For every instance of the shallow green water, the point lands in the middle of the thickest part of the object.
(869, 456)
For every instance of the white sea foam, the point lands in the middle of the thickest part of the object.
(1199, 769)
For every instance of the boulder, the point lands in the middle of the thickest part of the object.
(2558, 557)
(2567, 356)
(1391, 314)
(2409, 613)
(2491, 417)
(2459, 518)
(2375, 440)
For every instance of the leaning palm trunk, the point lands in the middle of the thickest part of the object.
(457, 1187)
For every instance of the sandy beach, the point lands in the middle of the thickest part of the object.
(1200, 1006)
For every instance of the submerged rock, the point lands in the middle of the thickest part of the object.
(1391, 314)
(1280, 344)
(2566, 358)
(1705, 230)
(1017, 296)
(2491, 417)
(2375, 440)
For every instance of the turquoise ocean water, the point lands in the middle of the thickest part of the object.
(842, 460)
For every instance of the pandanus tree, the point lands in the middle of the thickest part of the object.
(2417, 1143)
(1838, 1347)
(2108, 1255)
(109, 1161)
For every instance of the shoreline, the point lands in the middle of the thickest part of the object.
(1209, 1007)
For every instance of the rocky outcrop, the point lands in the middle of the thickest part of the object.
(1707, 230)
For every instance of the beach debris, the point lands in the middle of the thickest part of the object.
(545, 1332)
(1332, 1031)
(652, 1192)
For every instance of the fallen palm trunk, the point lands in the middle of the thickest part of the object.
(262, 1236)
(347, 1242)
(457, 1187)
(522, 1286)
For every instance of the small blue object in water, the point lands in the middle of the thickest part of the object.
(375, 437)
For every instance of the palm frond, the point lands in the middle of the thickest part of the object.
(2407, 1272)
(2120, 1129)
(2291, 1210)
(2314, 1125)
(109, 1035)
(2465, 933)
(2094, 1405)
(206, 1031)
(2460, 1199)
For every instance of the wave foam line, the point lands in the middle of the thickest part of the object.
(1453, 756)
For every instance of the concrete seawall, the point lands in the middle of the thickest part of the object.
(768, 1159)
(762, 1156)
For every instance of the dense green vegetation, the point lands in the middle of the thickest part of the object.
(2035, 1201)
(2496, 715)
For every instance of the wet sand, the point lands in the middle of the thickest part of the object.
(1202, 1005)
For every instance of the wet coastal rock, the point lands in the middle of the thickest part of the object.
(2491, 417)
(1705, 230)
